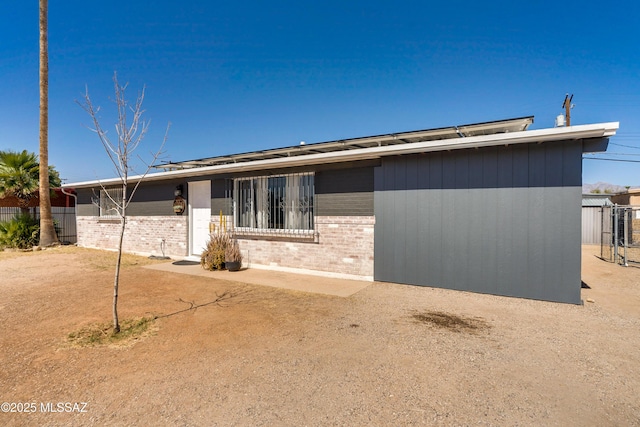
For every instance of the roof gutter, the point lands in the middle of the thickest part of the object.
(600, 130)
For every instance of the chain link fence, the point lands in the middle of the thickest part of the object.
(621, 234)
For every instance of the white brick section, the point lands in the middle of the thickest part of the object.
(344, 246)
(143, 234)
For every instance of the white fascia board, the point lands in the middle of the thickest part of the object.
(600, 130)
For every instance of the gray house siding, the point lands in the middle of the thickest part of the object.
(84, 205)
(344, 192)
(154, 199)
(497, 220)
(219, 200)
(150, 199)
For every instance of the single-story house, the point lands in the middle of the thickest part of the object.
(488, 207)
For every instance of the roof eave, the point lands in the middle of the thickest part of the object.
(600, 130)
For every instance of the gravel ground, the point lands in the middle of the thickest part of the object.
(388, 355)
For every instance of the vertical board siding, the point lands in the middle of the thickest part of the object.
(498, 220)
(591, 225)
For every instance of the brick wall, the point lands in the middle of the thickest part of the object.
(143, 235)
(344, 246)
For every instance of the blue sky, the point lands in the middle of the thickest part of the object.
(241, 76)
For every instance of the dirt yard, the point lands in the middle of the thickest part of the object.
(388, 355)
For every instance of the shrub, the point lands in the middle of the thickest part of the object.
(213, 256)
(22, 232)
(232, 252)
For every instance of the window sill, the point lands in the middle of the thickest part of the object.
(108, 221)
(308, 237)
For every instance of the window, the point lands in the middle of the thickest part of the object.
(274, 204)
(110, 202)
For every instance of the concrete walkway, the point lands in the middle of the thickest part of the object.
(276, 279)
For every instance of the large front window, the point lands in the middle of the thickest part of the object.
(110, 202)
(274, 204)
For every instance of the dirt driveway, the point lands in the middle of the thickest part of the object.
(387, 355)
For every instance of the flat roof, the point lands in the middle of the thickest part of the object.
(504, 132)
(462, 131)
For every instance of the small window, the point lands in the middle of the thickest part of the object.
(281, 205)
(110, 202)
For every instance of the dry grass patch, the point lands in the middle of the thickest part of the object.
(450, 322)
(14, 253)
(106, 260)
(94, 258)
(101, 334)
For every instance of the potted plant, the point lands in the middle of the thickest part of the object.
(232, 255)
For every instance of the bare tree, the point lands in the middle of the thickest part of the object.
(130, 131)
(48, 235)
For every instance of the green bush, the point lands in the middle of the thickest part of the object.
(21, 232)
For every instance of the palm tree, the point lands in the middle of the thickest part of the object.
(48, 235)
(19, 177)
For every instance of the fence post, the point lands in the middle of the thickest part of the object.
(602, 232)
(615, 233)
(626, 234)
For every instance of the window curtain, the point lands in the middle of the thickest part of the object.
(299, 202)
(306, 208)
(292, 215)
(275, 203)
(261, 192)
(110, 202)
(245, 204)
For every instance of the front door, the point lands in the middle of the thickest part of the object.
(199, 215)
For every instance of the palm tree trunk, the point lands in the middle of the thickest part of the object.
(48, 235)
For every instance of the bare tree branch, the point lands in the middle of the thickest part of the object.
(129, 136)
(150, 165)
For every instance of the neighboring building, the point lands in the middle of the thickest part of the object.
(592, 221)
(489, 207)
(629, 197)
(628, 214)
(58, 199)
